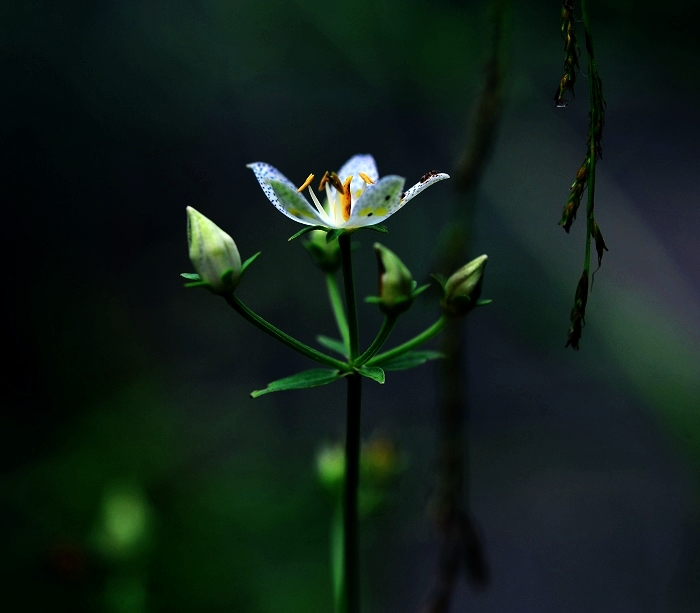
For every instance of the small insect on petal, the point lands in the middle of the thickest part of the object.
(428, 175)
(306, 183)
(425, 181)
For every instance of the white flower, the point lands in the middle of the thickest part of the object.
(356, 197)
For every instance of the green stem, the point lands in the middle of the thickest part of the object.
(337, 556)
(387, 326)
(351, 548)
(284, 338)
(337, 305)
(352, 482)
(416, 341)
(349, 286)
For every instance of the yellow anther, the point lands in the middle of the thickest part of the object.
(306, 183)
(366, 178)
(345, 198)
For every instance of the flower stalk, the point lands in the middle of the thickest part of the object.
(384, 332)
(351, 549)
(416, 341)
(356, 198)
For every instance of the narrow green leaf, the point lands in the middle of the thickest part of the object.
(304, 230)
(190, 276)
(249, 261)
(377, 228)
(332, 344)
(197, 284)
(333, 234)
(483, 302)
(411, 360)
(302, 380)
(372, 372)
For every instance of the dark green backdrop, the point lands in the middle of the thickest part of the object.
(137, 475)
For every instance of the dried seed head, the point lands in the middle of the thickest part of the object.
(578, 312)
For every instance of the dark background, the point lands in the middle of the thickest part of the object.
(137, 475)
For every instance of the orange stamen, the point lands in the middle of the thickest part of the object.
(335, 181)
(324, 180)
(346, 198)
(366, 178)
(306, 183)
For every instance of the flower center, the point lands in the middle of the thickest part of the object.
(338, 211)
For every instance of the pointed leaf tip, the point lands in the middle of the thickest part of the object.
(373, 372)
(315, 377)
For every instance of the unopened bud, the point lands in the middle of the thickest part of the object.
(463, 288)
(395, 282)
(326, 255)
(213, 253)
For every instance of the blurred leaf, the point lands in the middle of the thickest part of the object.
(411, 360)
(332, 344)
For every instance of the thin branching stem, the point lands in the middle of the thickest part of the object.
(416, 341)
(338, 309)
(284, 338)
(384, 332)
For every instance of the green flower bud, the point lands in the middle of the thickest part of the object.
(380, 465)
(213, 253)
(326, 255)
(395, 282)
(463, 288)
(330, 467)
(124, 529)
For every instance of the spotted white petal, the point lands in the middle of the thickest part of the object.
(294, 205)
(426, 181)
(361, 163)
(264, 173)
(378, 202)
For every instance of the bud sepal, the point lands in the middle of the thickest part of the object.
(325, 254)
